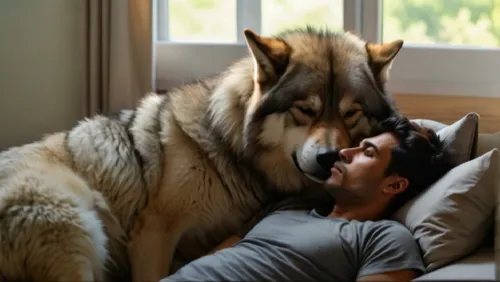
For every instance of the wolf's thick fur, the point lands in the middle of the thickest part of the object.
(189, 167)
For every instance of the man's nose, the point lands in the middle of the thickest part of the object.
(344, 155)
(326, 157)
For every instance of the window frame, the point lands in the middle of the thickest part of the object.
(418, 69)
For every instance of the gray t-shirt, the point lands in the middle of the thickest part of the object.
(302, 245)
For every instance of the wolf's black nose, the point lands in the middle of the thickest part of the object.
(326, 157)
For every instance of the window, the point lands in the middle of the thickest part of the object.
(471, 23)
(451, 47)
(201, 21)
(221, 21)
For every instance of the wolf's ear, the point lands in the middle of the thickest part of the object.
(270, 56)
(381, 57)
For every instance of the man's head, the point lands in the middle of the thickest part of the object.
(389, 168)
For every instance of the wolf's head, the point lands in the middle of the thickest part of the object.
(305, 95)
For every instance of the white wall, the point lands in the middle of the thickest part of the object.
(42, 68)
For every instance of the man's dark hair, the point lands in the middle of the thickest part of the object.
(420, 157)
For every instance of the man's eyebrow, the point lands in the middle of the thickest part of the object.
(367, 144)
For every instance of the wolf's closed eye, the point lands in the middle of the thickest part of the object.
(351, 113)
(306, 110)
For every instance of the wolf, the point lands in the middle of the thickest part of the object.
(116, 197)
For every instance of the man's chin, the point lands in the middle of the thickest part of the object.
(331, 184)
(335, 180)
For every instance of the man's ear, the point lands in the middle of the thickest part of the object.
(381, 57)
(395, 185)
(270, 55)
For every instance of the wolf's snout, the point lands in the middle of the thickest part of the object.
(315, 160)
(326, 157)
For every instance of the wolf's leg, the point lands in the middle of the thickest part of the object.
(68, 252)
(57, 242)
(76, 268)
(152, 245)
(60, 254)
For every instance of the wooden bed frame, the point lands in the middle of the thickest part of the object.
(448, 109)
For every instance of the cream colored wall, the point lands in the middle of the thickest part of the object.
(42, 68)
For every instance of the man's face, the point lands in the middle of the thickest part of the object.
(360, 175)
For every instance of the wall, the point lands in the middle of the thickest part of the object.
(42, 68)
(448, 109)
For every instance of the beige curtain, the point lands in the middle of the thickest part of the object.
(119, 54)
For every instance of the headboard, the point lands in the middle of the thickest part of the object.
(448, 109)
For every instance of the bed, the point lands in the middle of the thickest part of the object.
(458, 241)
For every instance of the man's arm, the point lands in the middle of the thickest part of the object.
(389, 252)
(399, 275)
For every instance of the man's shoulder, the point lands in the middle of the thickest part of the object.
(388, 230)
(286, 218)
(290, 213)
(388, 223)
(388, 246)
(385, 224)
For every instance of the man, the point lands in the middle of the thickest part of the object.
(351, 241)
